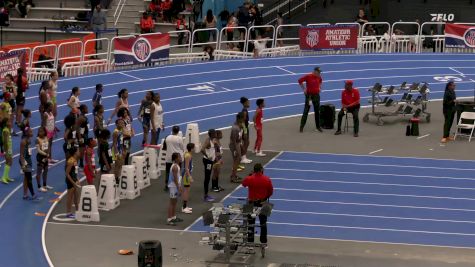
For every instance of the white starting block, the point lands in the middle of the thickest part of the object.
(141, 171)
(87, 210)
(108, 194)
(128, 186)
(162, 157)
(193, 136)
(151, 161)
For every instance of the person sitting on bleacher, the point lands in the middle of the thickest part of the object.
(155, 9)
(350, 103)
(166, 7)
(23, 7)
(147, 25)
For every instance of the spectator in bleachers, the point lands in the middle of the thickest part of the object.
(259, 45)
(21, 82)
(361, 18)
(256, 20)
(155, 9)
(166, 7)
(244, 18)
(98, 24)
(4, 17)
(181, 26)
(177, 7)
(279, 21)
(210, 22)
(94, 3)
(230, 31)
(23, 7)
(147, 24)
(223, 17)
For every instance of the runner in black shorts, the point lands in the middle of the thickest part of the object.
(145, 115)
(22, 84)
(72, 182)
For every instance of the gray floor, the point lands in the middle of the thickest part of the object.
(127, 223)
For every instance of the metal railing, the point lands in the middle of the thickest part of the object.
(118, 11)
(77, 59)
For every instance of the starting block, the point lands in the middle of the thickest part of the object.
(87, 210)
(108, 194)
(128, 186)
(141, 171)
(193, 136)
(151, 161)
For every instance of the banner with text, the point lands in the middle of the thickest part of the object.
(10, 62)
(459, 36)
(141, 49)
(329, 37)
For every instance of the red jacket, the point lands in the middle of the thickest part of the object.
(313, 83)
(166, 5)
(350, 97)
(260, 186)
(146, 24)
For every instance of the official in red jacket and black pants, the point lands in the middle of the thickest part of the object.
(260, 189)
(311, 90)
(350, 103)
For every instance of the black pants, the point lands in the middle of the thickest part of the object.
(262, 222)
(315, 99)
(28, 178)
(449, 116)
(208, 166)
(168, 166)
(356, 121)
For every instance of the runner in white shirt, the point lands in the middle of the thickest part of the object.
(175, 187)
(157, 119)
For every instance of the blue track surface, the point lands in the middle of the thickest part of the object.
(367, 198)
(273, 79)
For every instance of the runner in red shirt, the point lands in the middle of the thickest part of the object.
(258, 126)
(350, 103)
(260, 190)
(311, 91)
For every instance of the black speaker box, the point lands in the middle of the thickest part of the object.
(150, 253)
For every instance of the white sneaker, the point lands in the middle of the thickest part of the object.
(49, 187)
(260, 154)
(186, 210)
(245, 160)
(43, 189)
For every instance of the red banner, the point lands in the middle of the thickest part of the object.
(329, 37)
(10, 62)
(459, 36)
(141, 49)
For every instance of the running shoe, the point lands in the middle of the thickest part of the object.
(444, 140)
(5, 181)
(176, 219)
(53, 160)
(220, 188)
(215, 189)
(71, 216)
(10, 179)
(43, 189)
(48, 187)
(171, 223)
(260, 154)
(186, 211)
(208, 199)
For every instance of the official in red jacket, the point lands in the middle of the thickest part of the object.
(311, 90)
(350, 103)
(260, 189)
(147, 25)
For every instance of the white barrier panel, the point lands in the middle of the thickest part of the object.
(141, 171)
(162, 155)
(87, 211)
(193, 136)
(129, 187)
(151, 161)
(108, 194)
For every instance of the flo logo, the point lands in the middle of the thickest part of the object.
(469, 37)
(142, 50)
(442, 17)
(312, 38)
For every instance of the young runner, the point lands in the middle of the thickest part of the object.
(10, 87)
(245, 134)
(7, 146)
(209, 155)
(156, 119)
(26, 164)
(105, 154)
(218, 163)
(89, 158)
(99, 122)
(73, 101)
(175, 188)
(72, 182)
(48, 122)
(145, 115)
(118, 147)
(42, 155)
(258, 127)
(187, 177)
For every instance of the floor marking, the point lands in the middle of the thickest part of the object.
(424, 136)
(131, 76)
(369, 183)
(288, 71)
(373, 194)
(374, 164)
(459, 72)
(117, 226)
(376, 151)
(371, 216)
(366, 204)
(373, 229)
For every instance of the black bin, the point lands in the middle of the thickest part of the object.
(150, 253)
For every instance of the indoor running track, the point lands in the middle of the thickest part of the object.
(370, 198)
(208, 93)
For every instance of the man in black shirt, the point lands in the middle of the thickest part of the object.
(448, 108)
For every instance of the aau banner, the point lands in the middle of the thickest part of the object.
(141, 49)
(459, 36)
(329, 37)
(11, 61)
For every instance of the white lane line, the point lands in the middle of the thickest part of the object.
(116, 226)
(371, 216)
(459, 72)
(131, 76)
(370, 183)
(372, 228)
(372, 194)
(374, 164)
(377, 174)
(376, 151)
(288, 71)
(424, 136)
(10, 195)
(365, 204)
